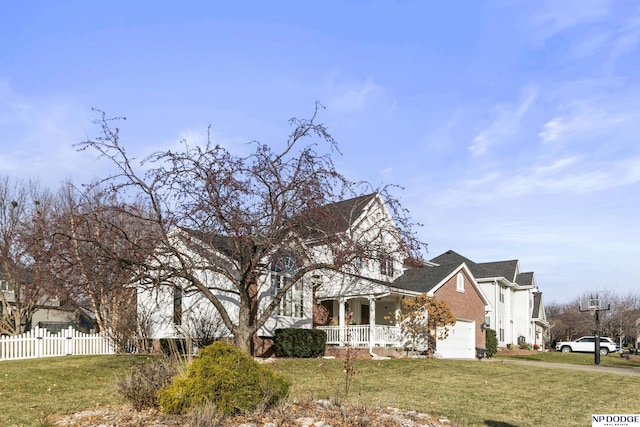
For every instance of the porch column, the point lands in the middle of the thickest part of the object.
(341, 313)
(372, 323)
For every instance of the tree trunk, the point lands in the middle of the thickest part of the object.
(244, 339)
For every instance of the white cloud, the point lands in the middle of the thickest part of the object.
(569, 176)
(353, 97)
(553, 17)
(506, 124)
(556, 165)
(582, 119)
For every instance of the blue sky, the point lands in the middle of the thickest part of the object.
(512, 126)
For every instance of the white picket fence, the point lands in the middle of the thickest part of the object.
(41, 343)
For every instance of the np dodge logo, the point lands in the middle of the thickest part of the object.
(615, 420)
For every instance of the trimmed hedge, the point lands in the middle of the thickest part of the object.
(292, 342)
(226, 377)
(491, 342)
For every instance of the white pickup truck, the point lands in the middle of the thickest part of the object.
(587, 345)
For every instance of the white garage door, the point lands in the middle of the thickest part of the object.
(460, 343)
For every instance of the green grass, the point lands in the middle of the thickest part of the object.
(32, 389)
(613, 360)
(470, 393)
(474, 393)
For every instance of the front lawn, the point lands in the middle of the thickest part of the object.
(469, 393)
(32, 389)
(473, 393)
(612, 359)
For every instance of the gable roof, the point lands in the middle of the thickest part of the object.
(506, 269)
(333, 218)
(330, 219)
(537, 304)
(424, 279)
(429, 278)
(525, 279)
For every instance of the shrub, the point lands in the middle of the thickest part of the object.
(140, 388)
(491, 342)
(226, 377)
(293, 342)
(174, 346)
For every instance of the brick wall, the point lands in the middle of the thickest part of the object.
(465, 305)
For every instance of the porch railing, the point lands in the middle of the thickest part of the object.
(360, 335)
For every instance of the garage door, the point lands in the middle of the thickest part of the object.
(460, 343)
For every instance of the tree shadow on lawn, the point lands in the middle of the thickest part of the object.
(492, 423)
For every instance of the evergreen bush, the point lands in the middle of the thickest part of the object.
(292, 342)
(226, 377)
(491, 342)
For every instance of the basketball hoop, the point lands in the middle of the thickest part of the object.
(595, 302)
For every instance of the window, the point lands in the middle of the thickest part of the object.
(5, 286)
(501, 294)
(501, 330)
(358, 262)
(460, 282)
(292, 302)
(177, 305)
(386, 265)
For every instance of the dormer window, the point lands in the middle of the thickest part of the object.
(386, 265)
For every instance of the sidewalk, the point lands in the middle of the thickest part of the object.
(589, 368)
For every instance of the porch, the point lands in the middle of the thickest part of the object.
(361, 336)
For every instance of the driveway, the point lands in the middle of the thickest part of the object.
(588, 368)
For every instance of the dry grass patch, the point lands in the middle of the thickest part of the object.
(474, 393)
(469, 393)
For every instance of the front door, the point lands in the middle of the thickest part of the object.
(364, 314)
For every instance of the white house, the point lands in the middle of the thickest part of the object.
(359, 302)
(362, 295)
(516, 306)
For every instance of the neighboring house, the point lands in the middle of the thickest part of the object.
(516, 305)
(48, 312)
(456, 286)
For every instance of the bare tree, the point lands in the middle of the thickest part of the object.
(249, 213)
(566, 322)
(95, 250)
(621, 321)
(25, 276)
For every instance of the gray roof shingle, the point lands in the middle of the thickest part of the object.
(424, 279)
(506, 269)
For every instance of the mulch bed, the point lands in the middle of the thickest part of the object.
(291, 413)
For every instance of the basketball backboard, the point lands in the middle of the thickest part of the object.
(594, 301)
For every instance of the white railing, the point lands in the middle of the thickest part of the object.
(360, 335)
(41, 343)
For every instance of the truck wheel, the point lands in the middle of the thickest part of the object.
(566, 349)
(604, 351)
